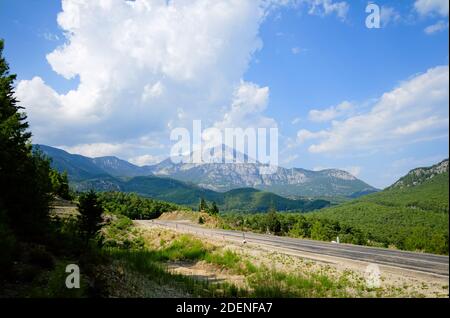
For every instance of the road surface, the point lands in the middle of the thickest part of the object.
(421, 262)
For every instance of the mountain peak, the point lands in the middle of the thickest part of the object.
(213, 154)
(418, 176)
(218, 176)
(339, 174)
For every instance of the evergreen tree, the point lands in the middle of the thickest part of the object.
(91, 210)
(272, 222)
(203, 206)
(214, 209)
(64, 190)
(24, 175)
(60, 184)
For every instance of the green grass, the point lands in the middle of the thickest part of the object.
(183, 248)
(259, 280)
(54, 282)
(228, 259)
(262, 282)
(150, 264)
(120, 233)
(270, 283)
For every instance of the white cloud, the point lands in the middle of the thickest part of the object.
(353, 170)
(146, 61)
(398, 168)
(432, 7)
(140, 62)
(296, 120)
(409, 163)
(420, 125)
(246, 110)
(330, 113)
(146, 160)
(304, 135)
(50, 36)
(388, 15)
(297, 50)
(94, 150)
(437, 27)
(416, 109)
(152, 91)
(327, 7)
(289, 159)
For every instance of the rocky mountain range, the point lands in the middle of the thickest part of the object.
(221, 177)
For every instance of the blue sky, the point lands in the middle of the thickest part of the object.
(108, 79)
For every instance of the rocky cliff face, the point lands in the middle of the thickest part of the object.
(290, 182)
(420, 175)
(293, 182)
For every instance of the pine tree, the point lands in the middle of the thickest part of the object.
(272, 221)
(24, 176)
(91, 210)
(214, 209)
(203, 206)
(60, 184)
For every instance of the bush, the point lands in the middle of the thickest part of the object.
(184, 248)
(119, 233)
(60, 184)
(272, 222)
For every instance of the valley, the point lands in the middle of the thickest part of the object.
(412, 214)
(106, 173)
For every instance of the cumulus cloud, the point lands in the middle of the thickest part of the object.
(326, 7)
(330, 113)
(95, 150)
(432, 7)
(304, 135)
(437, 27)
(416, 110)
(146, 66)
(146, 61)
(146, 160)
(389, 15)
(246, 111)
(247, 107)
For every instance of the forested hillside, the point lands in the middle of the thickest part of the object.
(409, 217)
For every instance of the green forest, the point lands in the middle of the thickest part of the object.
(409, 218)
(135, 207)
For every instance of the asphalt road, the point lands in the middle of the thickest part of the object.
(422, 262)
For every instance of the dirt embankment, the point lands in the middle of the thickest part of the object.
(394, 282)
(191, 217)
